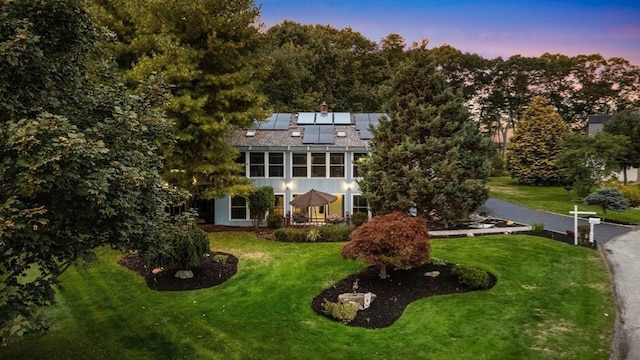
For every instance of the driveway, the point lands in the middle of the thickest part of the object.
(620, 248)
(560, 223)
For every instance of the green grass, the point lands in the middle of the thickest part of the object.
(550, 198)
(552, 301)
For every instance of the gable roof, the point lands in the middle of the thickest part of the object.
(598, 119)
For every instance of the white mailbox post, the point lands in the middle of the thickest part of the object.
(592, 221)
(575, 213)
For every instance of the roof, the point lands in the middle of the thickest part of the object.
(598, 119)
(284, 130)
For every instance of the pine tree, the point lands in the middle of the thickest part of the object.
(429, 156)
(535, 145)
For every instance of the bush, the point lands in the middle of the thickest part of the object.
(632, 194)
(359, 218)
(274, 221)
(313, 235)
(343, 312)
(336, 233)
(182, 247)
(583, 234)
(474, 277)
(437, 261)
(537, 227)
(290, 235)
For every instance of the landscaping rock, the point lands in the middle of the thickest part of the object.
(356, 298)
(184, 274)
(432, 274)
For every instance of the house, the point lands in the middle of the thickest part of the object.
(294, 153)
(595, 124)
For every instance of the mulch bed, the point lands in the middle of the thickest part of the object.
(401, 288)
(207, 273)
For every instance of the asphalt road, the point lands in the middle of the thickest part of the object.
(560, 223)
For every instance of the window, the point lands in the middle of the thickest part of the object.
(276, 164)
(242, 159)
(278, 206)
(336, 165)
(239, 208)
(299, 165)
(318, 165)
(256, 164)
(360, 204)
(356, 159)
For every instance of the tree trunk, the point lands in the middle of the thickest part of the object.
(383, 271)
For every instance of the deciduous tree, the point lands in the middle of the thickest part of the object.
(395, 239)
(627, 123)
(79, 161)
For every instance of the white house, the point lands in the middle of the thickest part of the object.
(295, 153)
(595, 124)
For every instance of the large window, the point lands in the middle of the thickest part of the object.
(360, 204)
(239, 208)
(256, 164)
(318, 165)
(299, 165)
(276, 165)
(356, 159)
(336, 165)
(278, 206)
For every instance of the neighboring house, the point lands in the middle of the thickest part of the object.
(595, 124)
(295, 153)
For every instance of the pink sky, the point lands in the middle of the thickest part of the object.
(489, 28)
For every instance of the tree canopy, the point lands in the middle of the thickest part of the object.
(79, 160)
(395, 239)
(627, 123)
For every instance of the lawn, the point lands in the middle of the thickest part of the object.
(550, 198)
(552, 301)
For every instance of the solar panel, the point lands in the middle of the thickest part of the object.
(342, 118)
(374, 119)
(362, 121)
(366, 134)
(311, 134)
(327, 135)
(306, 118)
(282, 122)
(256, 124)
(325, 119)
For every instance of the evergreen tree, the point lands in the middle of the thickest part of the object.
(535, 145)
(210, 51)
(429, 156)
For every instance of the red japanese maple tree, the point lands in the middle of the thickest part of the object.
(395, 239)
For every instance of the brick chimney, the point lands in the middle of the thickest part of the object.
(324, 108)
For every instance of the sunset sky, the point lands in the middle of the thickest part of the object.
(488, 28)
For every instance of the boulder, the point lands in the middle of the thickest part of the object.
(184, 274)
(361, 299)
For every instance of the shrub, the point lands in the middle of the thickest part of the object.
(290, 235)
(437, 261)
(537, 227)
(359, 218)
(182, 247)
(474, 277)
(274, 221)
(313, 235)
(632, 194)
(583, 234)
(220, 258)
(343, 312)
(338, 232)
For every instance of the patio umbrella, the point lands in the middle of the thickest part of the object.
(312, 198)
